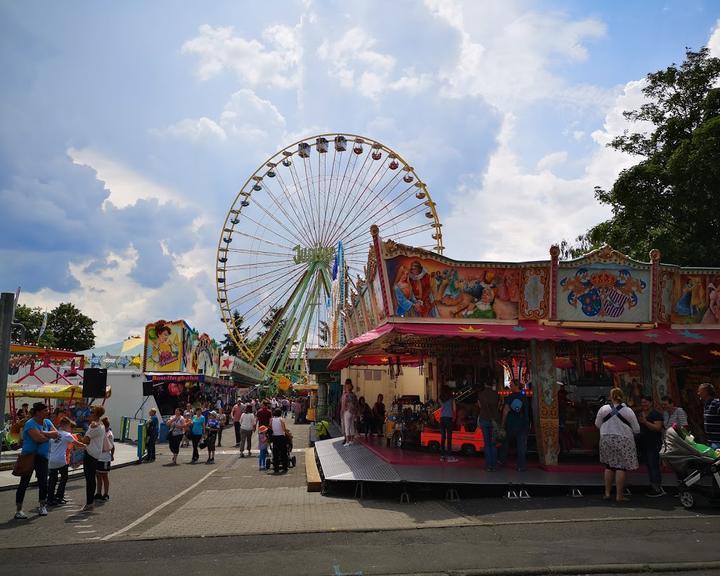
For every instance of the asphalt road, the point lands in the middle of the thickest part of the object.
(159, 518)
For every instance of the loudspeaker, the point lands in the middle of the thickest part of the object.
(148, 388)
(94, 382)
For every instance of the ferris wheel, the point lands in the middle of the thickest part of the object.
(304, 214)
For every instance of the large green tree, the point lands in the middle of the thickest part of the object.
(67, 327)
(668, 200)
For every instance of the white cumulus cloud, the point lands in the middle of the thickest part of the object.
(272, 62)
(506, 53)
(124, 185)
(356, 63)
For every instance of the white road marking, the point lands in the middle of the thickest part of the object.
(87, 531)
(160, 507)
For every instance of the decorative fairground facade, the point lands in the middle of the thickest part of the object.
(567, 330)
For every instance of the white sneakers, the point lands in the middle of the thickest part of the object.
(20, 515)
(42, 510)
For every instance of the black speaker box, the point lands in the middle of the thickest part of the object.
(148, 388)
(94, 382)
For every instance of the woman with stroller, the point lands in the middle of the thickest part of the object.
(279, 442)
(618, 425)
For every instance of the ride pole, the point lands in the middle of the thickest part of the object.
(7, 311)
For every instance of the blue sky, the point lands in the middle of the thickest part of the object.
(126, 128)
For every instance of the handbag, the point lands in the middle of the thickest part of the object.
(24, 464)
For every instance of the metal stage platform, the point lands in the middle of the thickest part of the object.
(373, 463)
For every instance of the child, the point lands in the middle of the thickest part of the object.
(263, 446)
(103, 462)
(59, 460)
(213, 426)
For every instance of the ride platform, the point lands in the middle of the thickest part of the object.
(372, 462)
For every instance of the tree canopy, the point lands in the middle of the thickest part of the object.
(668, 199)
(66, 327)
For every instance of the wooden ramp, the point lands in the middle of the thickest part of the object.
(314, 483)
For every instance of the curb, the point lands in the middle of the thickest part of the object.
(656, 568)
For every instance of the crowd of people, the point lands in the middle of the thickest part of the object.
(627, 436)
(358, 417)
(47, 452)
(202, 427)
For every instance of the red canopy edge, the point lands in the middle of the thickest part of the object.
(352, 352)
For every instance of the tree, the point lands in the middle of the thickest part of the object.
(274, 342)
(229, 346)
(71, 329)
(668, 199)
(67, 327)
(32, 319)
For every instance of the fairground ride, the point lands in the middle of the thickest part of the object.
(297, 235)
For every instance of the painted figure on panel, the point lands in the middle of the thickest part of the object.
(697, 300)
(712, 314)
(428, 289)
(422, 290)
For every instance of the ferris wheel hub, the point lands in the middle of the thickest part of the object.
(313, 254)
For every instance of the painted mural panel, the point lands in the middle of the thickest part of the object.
(604, 292)
(164, 346)
(429, 289)
(696, 299)
(666, 297)
(534, 304)
(369, 310)
(378, 298)
(204, 355)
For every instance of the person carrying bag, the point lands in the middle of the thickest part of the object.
(34, 458)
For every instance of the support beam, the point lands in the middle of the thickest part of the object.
(545, 404)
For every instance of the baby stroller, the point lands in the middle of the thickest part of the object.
(697, 468)
(292, 460)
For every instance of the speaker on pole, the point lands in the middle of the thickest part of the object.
(94, 382)
(148, 388)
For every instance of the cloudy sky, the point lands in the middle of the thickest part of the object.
(127, 128)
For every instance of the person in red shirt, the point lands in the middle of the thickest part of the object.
(264, 415)
(235, 414)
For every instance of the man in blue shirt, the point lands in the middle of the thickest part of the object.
(153, 431)
(516, 422)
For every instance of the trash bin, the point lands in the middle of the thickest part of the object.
(164, 430)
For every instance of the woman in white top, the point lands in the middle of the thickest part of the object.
(618, 425)
(247, 426)
(94, 439)
(279, 442)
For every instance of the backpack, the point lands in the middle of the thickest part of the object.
(323, 430)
